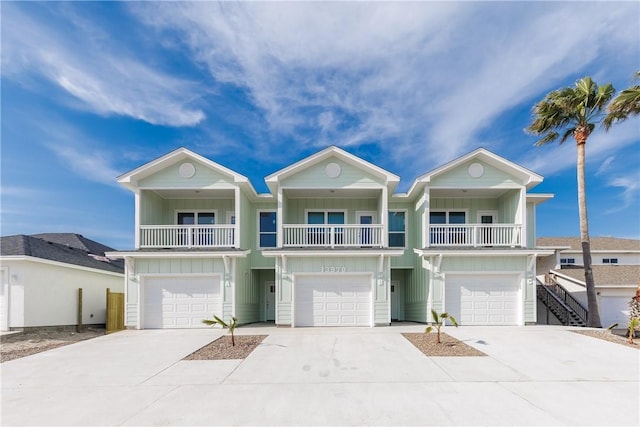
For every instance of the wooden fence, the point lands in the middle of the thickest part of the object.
(115, 311)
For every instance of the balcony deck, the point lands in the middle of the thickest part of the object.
(187, 236)
(476, 235)
(338, 235)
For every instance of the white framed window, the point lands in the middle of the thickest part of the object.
(397, 228)
(195, 217)
(609, 260)
(567, 261)
(327, 216)
(267, 229)
(453, 216)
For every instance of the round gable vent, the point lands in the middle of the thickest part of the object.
(332, 170)
(187, 170)
(476, 170)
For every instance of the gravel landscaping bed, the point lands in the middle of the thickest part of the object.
(21, 344)
(449, 346)
(611, 337)
(222, 349)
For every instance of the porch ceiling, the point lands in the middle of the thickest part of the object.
(332, 193)
(468, 192)
(196, 193)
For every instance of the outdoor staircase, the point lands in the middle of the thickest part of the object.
(560, 302)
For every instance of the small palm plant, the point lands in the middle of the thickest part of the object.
(231, 326)
(634, 325)
(438, 321)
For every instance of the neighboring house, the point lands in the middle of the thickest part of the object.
(332, 243)
(616, 272)
(40, 275)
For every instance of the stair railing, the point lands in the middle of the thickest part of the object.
(567, 298)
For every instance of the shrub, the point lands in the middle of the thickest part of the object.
(438, 321)
(231, 326)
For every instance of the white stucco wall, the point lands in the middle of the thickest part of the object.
(46, 294)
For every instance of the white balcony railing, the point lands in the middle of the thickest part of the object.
(339, 235)
(476, 235)
(187, 236)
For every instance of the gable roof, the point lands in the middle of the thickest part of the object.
(68, 248)
(529, 178)
(130, 178)
(607, 275)
(597, 243)
(391, 180)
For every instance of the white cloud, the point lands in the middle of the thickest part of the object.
(85, 62)
(605, 165)
(630, 186)
(411, 77)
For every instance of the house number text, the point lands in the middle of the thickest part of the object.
(327, 269)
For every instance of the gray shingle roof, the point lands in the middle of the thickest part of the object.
(68, 248)
(607, 275)
(597, 243)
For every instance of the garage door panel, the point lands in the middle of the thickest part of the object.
(483, 300)
(333, 301)
(180, 302)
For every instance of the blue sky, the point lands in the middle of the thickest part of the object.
(91, 90)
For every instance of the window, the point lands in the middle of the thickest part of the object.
(193, 218)
(448, 235)
(197, 236)
(396, 229)
(567, 261)
(322, 235)
(268, 229)
(609, 260)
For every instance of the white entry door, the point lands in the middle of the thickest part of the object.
(395, 300)
(366, 235)
(492, 299)
(333, 300)
(270, 300)
(180, 301)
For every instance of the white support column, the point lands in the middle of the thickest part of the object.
(279, 222)
(522, 205)
(425, 218)
(236, 228)
(137, 219)
(384, 214)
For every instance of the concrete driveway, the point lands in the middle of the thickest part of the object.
(536, 375)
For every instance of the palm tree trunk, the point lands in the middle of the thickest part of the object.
(593, 319)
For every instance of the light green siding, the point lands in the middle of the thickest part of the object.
(315, 177)
(508, 207)
(151, 208)
(471, 206)
(412, 236)
(459, 177)
(531, 225)
(154, 210)
(256, 257)
(295, 208)
(248, 297)
(305, 265)
(488, 264)
(169, 177)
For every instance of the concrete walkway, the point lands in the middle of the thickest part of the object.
(537, 375)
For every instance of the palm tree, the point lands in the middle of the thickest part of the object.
(625, 104)
(575, 112)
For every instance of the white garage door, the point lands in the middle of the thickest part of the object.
(332, 301)
(180, 302)
(484, 299)
(614, 309)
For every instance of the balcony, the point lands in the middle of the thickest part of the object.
(339, 235)
(465, 235)
(187, 236)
